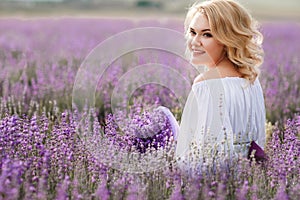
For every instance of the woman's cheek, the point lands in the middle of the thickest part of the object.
(189, 43)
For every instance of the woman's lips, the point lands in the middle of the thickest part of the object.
(198, 52)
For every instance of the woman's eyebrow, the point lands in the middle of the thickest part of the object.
(204, 30)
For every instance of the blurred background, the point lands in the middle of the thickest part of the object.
(263, 10)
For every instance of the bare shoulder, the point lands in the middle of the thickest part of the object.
(199, 78)
(221, 72)
(211, 74)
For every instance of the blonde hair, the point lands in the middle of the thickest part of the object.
(232, 25)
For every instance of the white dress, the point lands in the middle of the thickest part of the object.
(220, 119)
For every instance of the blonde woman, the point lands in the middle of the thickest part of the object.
(225, 109)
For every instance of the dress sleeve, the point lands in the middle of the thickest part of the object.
(188, 125)
(204, 134)
(261, 118)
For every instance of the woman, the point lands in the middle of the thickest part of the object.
(225, 109)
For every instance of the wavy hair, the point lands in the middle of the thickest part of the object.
(232, 25)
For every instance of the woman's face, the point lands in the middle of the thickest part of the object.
(204, 48)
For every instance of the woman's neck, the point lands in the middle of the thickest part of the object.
(225, 68)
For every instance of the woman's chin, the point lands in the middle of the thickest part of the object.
(196, 62)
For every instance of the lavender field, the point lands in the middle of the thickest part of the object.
(48, 152)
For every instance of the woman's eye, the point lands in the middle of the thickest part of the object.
(207, 35)
(192, 32)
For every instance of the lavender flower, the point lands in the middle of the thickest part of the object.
(46, 153)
